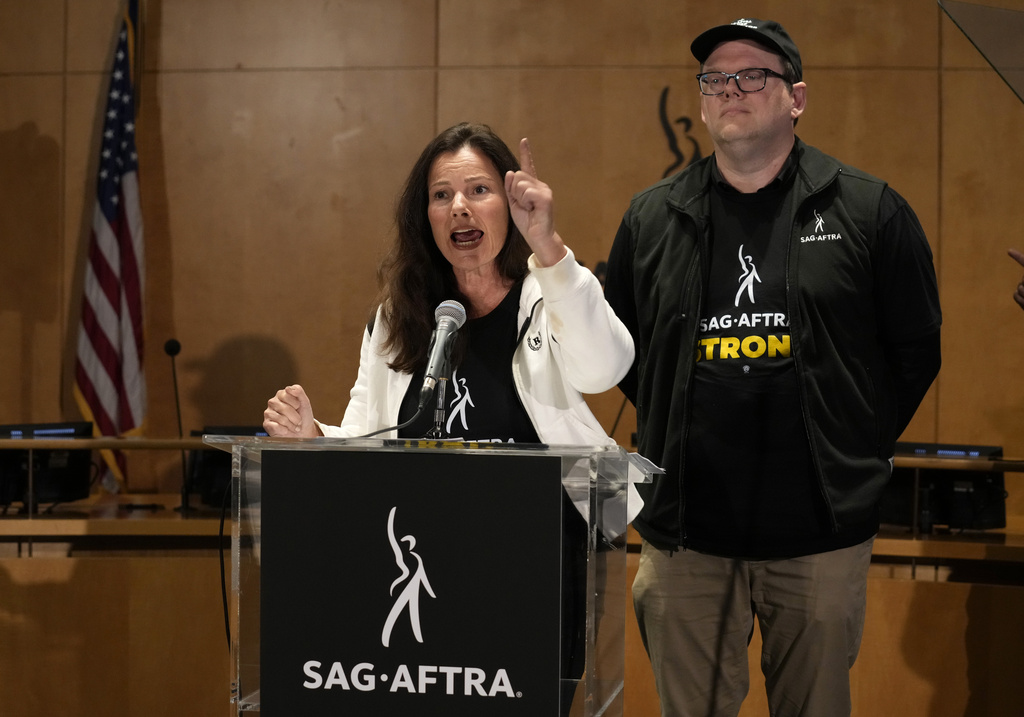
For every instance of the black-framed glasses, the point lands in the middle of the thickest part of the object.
(752, 79)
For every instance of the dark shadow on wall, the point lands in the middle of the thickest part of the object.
(932, 640)
(31, 268)
(986, 598)
(237, 379)
(995, 624)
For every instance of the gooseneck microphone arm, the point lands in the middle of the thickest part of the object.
(437, 432)
(172, 348)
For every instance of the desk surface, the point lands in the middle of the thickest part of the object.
(1002, 544)
(103, 444)
(1009, 465)
(116, 515)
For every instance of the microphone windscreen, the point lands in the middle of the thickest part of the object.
(172, 347)
(453, 310)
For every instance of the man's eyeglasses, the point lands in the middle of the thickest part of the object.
(753, 79)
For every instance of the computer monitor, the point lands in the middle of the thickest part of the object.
(209, 471)
(58, 475)
(947, 499)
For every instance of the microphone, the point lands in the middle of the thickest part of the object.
(450, 316)
(172, 348)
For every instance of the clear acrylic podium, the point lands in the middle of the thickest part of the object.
(393, 577)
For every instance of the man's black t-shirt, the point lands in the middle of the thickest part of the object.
(748, 480)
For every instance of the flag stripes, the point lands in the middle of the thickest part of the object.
(110, 385)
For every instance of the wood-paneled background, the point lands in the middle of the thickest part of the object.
(274, 137)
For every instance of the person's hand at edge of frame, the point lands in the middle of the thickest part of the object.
(1018, 294)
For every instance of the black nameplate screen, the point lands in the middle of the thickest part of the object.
(478, 537)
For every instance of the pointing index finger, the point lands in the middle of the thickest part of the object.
(526, 157)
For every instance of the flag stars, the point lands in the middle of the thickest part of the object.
(117, 157)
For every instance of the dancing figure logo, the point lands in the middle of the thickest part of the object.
(747, 277)
(415, 581)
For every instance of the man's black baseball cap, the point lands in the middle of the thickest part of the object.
(764, 32)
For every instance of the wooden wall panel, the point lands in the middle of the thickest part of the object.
(533, 32)
(980, 393)
(981, 396)
(31, 36)
(110, 636)
(850, 115)
(268, 34)
(91, 33)
(32, 288)
(863, 33)
(867, 33)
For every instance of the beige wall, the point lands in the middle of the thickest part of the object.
(274, 137)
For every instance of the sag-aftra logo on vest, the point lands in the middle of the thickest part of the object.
(819, 233)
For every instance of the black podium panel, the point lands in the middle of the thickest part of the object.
(409, 584)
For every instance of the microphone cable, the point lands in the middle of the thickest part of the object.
(419, 412)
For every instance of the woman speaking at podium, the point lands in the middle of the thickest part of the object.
(475, 226)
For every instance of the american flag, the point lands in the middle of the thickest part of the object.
(110, 386)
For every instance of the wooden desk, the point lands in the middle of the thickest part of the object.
(111, 611)
(93, 444)
(1002, 544)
